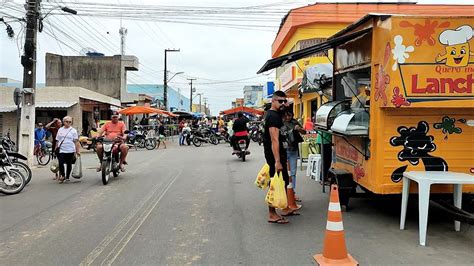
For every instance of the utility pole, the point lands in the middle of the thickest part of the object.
(165, 79)
(205, 105)
(28, 60)
(191, 95)
(200, 94)
(123, 34)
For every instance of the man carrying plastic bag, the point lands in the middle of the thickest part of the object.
(263, 178)
(275, 153)
(276, 196)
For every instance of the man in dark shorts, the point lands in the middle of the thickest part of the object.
(274, 148)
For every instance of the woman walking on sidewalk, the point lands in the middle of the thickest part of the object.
(68, 147)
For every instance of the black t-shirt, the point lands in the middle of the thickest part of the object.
(272, 119)
(240, 125)
(161, 130)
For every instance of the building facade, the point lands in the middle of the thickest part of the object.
(84, 106)
(106, 75)
(252, 95)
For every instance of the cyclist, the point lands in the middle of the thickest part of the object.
(40, 135)
(113, 130)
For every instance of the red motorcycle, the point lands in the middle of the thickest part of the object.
(111, 159)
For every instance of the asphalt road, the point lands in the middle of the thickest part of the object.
(187, 205)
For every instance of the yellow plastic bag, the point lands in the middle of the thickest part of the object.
(276, 195)
(263, 178)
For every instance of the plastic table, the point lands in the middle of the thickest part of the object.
(425, 179)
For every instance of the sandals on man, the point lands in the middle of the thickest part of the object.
(279, 221)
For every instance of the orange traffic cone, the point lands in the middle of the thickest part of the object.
(290, 193)
(334, 251)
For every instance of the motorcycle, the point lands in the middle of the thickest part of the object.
(14, 157)
(111, 160)
(223, 135)
(12, 180)
(136, 138)
(204, 134)
(242, 152)
(256, 133)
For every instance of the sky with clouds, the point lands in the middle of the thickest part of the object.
(224, 55)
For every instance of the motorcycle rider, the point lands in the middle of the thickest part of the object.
(113, 130)
(240, 132)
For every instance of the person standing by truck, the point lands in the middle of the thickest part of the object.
(274, 146)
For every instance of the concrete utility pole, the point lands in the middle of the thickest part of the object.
(165, 79)
(28, 60)
(191, 95)
(205, 105)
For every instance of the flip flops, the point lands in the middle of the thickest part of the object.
(293, 213)
(279, 221)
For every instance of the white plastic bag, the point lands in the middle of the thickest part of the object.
(54, 167)
(77, 171)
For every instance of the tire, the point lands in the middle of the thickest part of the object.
(140, 142)
(24, 170)
(196, 142)
(105, 175)
(44, 160)
(213, 139)
(150, 144)
(243, 156)
(17, 187)
(254, 137)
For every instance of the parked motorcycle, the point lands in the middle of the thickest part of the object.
(256, 133)
(12, 180)
(14, 157)
(204, 134)
(223, 135)
(136, 138)
(111, 160)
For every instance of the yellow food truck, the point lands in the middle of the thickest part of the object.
(402, 99)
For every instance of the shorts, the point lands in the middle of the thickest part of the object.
(161, 137)
(271, 162)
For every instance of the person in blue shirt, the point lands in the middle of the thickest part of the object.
(40, 135)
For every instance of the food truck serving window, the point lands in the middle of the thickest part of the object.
(356, 52)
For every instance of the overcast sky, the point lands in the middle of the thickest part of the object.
(214, 53)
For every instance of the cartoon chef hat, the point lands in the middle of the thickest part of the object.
(453, 37)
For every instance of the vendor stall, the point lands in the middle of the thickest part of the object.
(402, 100)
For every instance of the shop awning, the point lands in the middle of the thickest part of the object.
(55, 104)
(242, 109)
(324, 46)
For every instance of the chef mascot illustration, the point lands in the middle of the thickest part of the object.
(456, 46)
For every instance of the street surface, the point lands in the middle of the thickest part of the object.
(188, 205)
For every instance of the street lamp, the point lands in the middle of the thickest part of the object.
(165, 79)
(178, 73)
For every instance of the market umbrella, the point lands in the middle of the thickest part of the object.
(133, 110)
(242, 109)
(170, 114)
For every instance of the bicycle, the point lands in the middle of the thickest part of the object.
(42, 154)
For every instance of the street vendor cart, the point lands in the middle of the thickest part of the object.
(402, 100)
